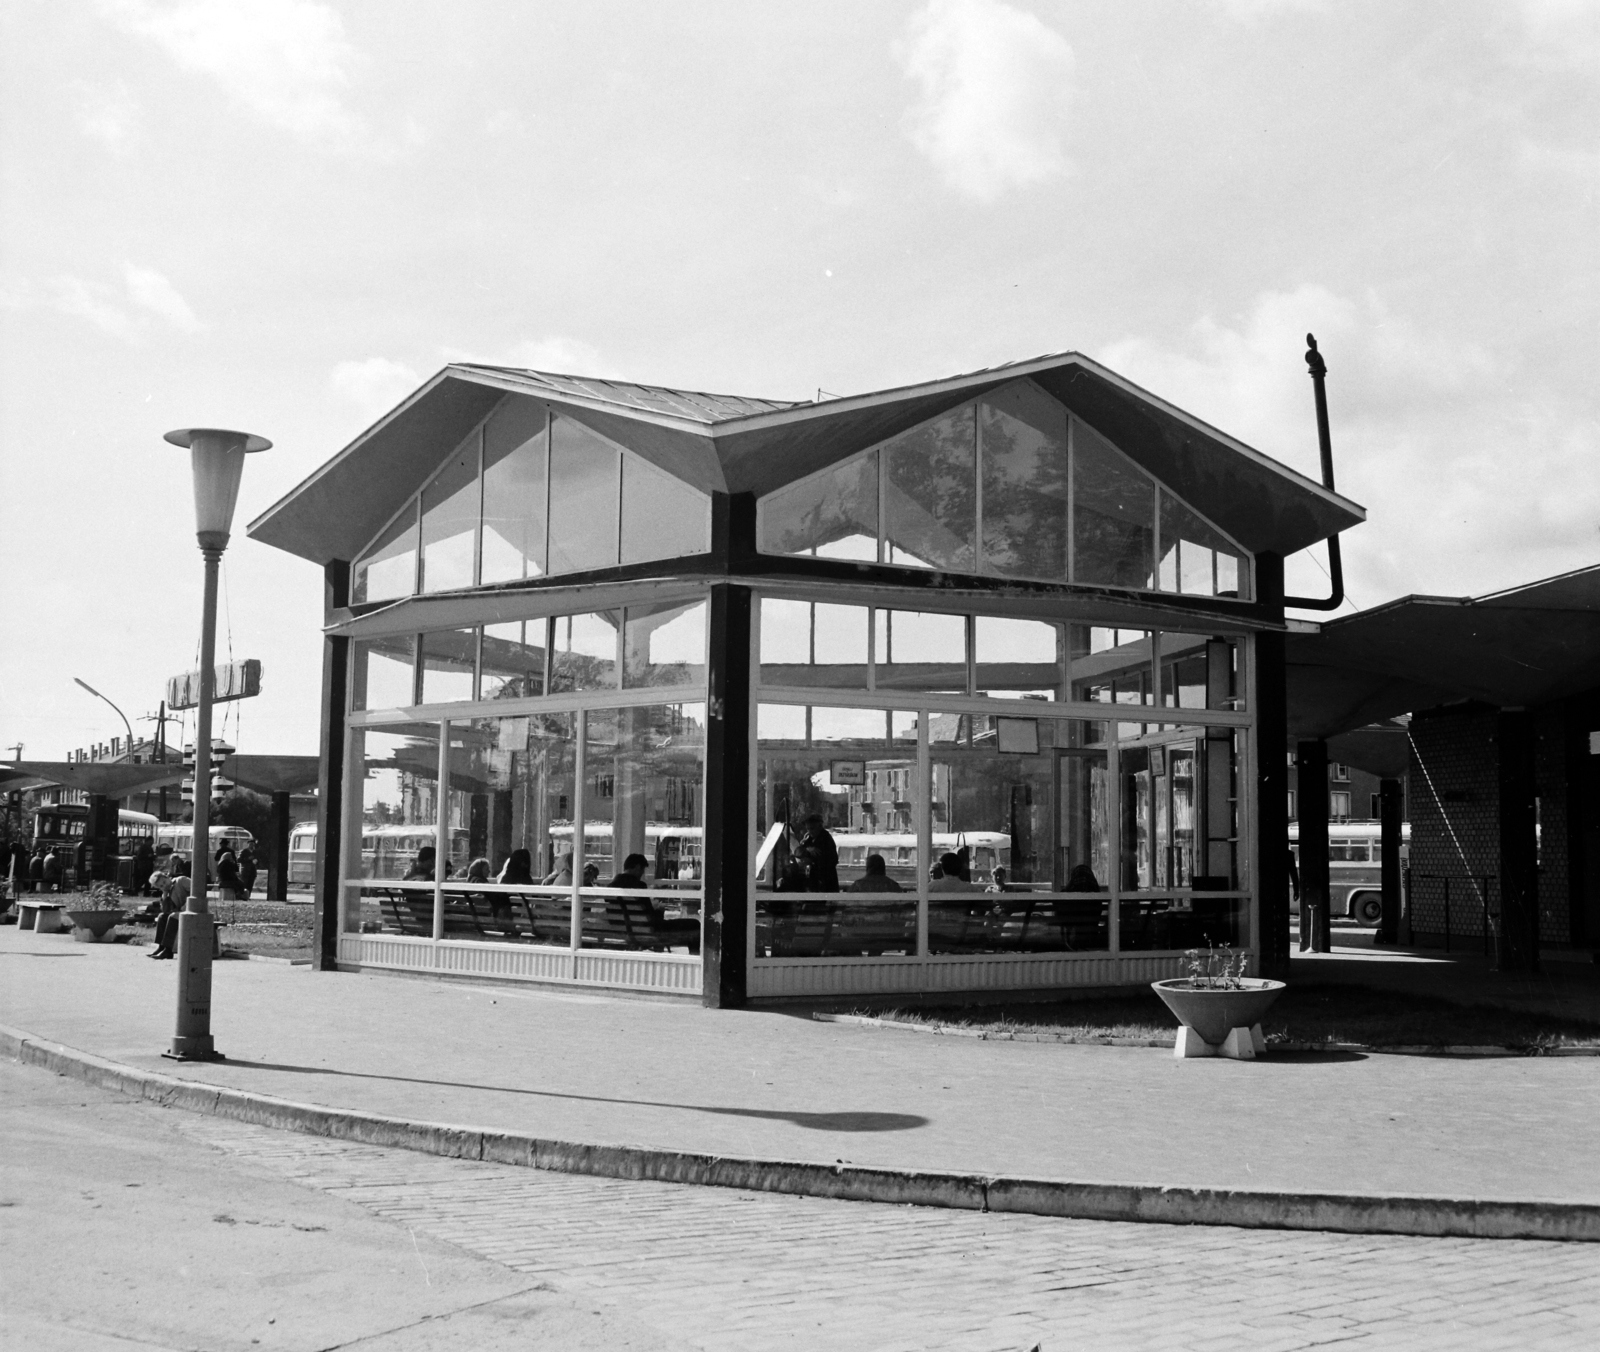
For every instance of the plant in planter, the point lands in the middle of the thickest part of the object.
(1219, 1007)
(96, 913)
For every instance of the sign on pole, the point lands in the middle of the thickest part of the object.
(236, 680)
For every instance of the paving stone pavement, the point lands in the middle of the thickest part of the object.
(723, 1270)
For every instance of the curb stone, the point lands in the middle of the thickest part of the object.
(1381, 1213)
(983, 1035)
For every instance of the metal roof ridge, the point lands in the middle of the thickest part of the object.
(634, 384)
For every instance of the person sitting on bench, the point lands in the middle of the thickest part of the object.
(633, 870)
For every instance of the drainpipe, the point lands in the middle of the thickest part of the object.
(1319, 372)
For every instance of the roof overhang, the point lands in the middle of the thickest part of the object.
(1263, 505)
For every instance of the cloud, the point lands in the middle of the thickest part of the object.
(993, 87)
(1254, 11)
(553, 354)
(108, 115)
(375, 385)
(1476, 475)
(149, 290)
(286, 61)
(97, 303)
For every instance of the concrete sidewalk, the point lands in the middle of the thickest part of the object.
(752, 1086)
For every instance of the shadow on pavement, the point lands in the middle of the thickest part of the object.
(839, 1121)
(1311, 1058)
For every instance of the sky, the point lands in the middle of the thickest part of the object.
(284, 215)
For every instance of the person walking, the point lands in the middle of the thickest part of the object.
(52, 871)
(248, 869)
(36, 870)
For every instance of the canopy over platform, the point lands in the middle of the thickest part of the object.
(118, 779)
(1524, 646)
(729, 444)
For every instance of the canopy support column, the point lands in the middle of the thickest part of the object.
(725, 927)
(330, 774)
(1316, 931)
(1519, 844)
(1391, 809)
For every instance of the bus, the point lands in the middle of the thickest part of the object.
(676, 853)
(985, 850)
(303, 855)
(62, 827)
(1355, 874)
(179, 837)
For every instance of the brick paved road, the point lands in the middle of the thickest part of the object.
(718, 1269)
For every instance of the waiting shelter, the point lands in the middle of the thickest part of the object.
(968, 686)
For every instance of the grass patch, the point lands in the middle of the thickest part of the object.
(1306, 1012)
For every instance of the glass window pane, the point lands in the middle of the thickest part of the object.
(662, 517)
(382, 673)
(1113, 514)
(515, 446)
(1018, 659)
(1116, 667)
(585, 655)
(389, 568)
(645, 797)
(813, 644)
(1016, 838)
(1200, 672)
(399, 778)
(837, 823)
(833, 514)
(1195, 559)
(931, 494)
(920, 651)
(1024, 441)
(450, 522)
(584, 478)
(1179, 836)
(448, 658)
(512, 798)
(665, 645)
(513, 659)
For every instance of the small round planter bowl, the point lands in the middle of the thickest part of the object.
(94, 927)
(1213, 1014)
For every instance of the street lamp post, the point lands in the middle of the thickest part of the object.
(217, 459)
(119, 713)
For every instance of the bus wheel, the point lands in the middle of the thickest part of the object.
(1367, 907)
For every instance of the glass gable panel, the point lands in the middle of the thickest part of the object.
(450, 522)
(1024, 441)
(664, 645)
(1114, 511)
(389, 568)
(1195, 558)
(930, 504)
(833, 514)
(662, 517)
(515, 449)
(584, 478)
(513, 659)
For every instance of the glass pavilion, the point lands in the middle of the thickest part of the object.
(955, 687)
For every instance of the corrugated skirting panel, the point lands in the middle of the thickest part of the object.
(675, 972)
(774, 980)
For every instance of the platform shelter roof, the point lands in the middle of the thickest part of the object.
(1523, 646)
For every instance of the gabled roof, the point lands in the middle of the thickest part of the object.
(1524, 646)
(730, 444)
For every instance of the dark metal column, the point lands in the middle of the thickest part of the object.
(1311, 763)
(1270, 867)
(1391, 809)
(1519, 844)
(330, 774)
(278, 872)
(727, 809)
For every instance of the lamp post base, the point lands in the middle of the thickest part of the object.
(192, 1050)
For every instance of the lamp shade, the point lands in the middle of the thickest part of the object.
(217, 458)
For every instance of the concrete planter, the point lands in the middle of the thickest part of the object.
(93, 927)
(1215, 1018)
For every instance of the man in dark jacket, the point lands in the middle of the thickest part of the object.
(820, 856)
